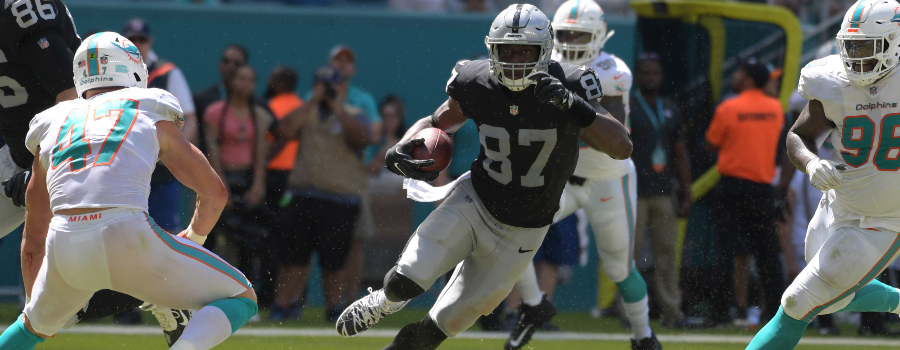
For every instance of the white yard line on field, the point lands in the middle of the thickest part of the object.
(390, 333)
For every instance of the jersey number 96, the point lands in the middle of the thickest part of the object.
(858, 136)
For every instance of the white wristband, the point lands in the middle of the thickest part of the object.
(190, 234)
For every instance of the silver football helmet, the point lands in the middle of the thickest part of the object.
(519, 24)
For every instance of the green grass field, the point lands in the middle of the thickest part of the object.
(313, 319)
(102, 342)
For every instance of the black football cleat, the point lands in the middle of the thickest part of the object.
(649, 343)
(530, 318)
(172, 322)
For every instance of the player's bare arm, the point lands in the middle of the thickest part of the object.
(615, 105)
(805, 137)
(807, 134)
(448, 117)
(607, 134)
(190, 167)
(37, 222)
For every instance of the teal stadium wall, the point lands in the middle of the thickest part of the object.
(403, 53)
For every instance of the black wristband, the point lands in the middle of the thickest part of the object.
(581, 112)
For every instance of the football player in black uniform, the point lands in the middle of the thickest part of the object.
(36, 49)
(530, 112)
(37, 44)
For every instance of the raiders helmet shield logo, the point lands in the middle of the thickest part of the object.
(514, 110)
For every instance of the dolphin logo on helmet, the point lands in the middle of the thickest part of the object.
(133, 53)
(519, 24)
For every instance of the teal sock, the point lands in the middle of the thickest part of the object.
(633, 288)
(17, 337)
(781, 333)
(874, 297)
(238, 311)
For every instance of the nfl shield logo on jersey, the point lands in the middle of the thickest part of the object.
(873, 90)
(44, 43)
(514, 110)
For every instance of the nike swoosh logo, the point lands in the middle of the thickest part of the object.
(525, 251)
(398, 169)
(184, 318)
(518, 341)
(618, 76)
(604, 200)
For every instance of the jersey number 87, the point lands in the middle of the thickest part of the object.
(526, 137)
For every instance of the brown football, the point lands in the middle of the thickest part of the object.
(437, 146)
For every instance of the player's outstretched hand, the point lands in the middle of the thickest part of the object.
(14, 187)
(399, 161)
(825, 174)
(551, 91)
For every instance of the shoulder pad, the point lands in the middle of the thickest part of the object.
(160, 105)
(823, 79)
(20, 18)
(41, 123)
(581, 80)
(616, 78)
(465, 73)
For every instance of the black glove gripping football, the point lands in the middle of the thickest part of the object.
(551, 91)
(399, 161)
(14, 187)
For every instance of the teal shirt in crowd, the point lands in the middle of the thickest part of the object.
(360, 99)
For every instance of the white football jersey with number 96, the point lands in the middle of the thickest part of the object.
(866, 138)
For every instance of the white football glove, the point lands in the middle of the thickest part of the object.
(825, 175)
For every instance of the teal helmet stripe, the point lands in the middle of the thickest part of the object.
(574, 14)
(93, 64)
(857, 15)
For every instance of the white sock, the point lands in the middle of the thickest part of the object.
(528, 287)
(209, 327)
(182, 345)
(640, 320)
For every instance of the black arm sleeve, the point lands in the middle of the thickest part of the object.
(53, 65)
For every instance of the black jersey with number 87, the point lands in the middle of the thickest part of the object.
(528, 149)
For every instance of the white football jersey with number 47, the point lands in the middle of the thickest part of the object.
(100, 152)
(866, 138)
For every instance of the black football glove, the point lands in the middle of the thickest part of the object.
(14, 187)
(399, 161)
(551, 91)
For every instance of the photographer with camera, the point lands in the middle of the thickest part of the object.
(323, 194)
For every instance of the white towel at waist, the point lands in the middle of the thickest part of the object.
(421, 191)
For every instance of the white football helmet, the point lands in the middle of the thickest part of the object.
(869, 36)
(519, 24)
(580, 16)
(108, 59)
